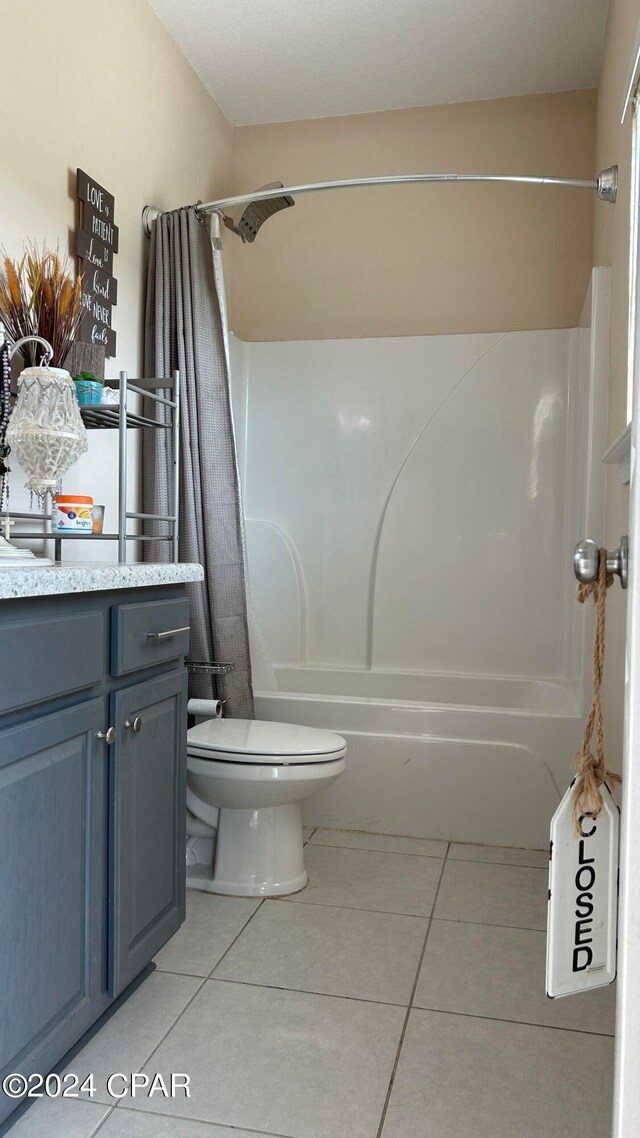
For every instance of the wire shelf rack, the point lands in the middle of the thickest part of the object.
(119, 417)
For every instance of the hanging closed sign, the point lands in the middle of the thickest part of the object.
(583, 897)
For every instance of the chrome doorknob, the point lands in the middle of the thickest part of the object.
(109, 735)
(586, 560)
(134, 724)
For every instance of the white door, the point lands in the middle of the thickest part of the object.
(626, 1123)
(627, 1073)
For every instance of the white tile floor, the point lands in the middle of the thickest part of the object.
(401, 995)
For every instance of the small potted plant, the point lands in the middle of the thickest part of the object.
(88, 388)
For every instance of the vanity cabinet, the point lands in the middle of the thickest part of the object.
(148, 822)
(52, 800)
(92, 808)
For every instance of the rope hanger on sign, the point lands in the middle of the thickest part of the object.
(592, 769)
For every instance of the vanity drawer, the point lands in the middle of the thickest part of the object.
(43, 657)
(148, 633)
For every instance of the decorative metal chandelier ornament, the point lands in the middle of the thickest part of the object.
(46, 433)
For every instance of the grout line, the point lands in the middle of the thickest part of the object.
(102, 1120)
(407, 853)
(173, 972)
(411, 1005)
(203, 1122)
(270, 901)
(309, 992)
(511, 864)
(489, 925)
(393, 853)
(483, 846)
(411, 999)
(296, 899)
(236, 937)
(353, 908)
(449, 842)
(518, 1022)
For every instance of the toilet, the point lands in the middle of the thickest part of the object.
(246, 779)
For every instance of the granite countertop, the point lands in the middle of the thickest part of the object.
(92, 577)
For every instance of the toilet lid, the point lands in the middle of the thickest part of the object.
(258, 741)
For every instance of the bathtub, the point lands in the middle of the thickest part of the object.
(465, 758)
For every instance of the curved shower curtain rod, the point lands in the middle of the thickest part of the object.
(605, 185)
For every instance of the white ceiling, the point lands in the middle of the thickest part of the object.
(277, 60)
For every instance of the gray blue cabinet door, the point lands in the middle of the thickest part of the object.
(53, 787)
(148, 812)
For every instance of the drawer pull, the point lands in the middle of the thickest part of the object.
(109, 735)
(167, 633)
(134, 724)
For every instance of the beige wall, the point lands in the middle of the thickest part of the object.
(418, 259)
(105, 88)
(613, 145)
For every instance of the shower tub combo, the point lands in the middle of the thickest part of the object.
(480, 759)
(467, 758)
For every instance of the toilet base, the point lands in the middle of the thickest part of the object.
(259, 853)
(207, 884)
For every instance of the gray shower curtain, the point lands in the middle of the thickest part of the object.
(185, 329)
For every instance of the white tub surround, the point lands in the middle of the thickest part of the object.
(373, 467)
(412, 506)
(463, 758)
(91, 577)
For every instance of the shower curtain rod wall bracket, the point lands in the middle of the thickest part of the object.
(608, 184)
(150, 214)
(605, 185)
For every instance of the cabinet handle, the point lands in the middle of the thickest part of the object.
(134, 724)
(167, 633)
(109, 735)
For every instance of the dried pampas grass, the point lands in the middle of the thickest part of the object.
(39, 297)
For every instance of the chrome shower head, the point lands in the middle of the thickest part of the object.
(255, 214)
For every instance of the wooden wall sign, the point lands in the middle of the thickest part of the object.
(93, 251)
(100, 227)
(97, 239)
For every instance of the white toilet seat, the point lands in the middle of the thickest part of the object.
(209, 766)
(254, 741)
